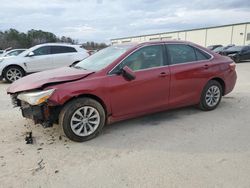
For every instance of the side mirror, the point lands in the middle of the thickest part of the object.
(31, 54)
(128, 73)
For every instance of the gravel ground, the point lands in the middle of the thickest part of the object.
(180, 148)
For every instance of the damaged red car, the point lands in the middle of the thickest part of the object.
(124, 81)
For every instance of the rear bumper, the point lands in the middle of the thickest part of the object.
(230, 82)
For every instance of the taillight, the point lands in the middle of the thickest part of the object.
(232, 66)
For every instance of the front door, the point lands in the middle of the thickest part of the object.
(148, 91)
(40, 61)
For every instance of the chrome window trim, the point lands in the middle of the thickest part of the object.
(163, 43)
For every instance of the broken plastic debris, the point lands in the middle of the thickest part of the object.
(29, 138)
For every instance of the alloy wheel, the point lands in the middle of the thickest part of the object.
(212, 96)
(14, 74)
(85, 121)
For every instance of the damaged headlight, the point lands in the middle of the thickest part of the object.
(35, 97)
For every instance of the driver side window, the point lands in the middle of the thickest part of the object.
(45, 50)
(145, 58)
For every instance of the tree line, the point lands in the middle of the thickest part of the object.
(14, 39)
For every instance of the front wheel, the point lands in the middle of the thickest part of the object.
(82, 119)
(13, 73)
(211, 96)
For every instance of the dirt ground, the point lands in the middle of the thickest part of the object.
(180, 148)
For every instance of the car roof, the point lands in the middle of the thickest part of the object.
(134, 44)
(156, 42)
(58, 44)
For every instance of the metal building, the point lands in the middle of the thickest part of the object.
(238, 34)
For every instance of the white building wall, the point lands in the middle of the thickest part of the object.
(169, 36)
(247, 39)
(197, 36)
(219, 36)
(231, 34)
(238, 34)
(182, 35)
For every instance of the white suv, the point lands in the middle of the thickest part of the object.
(39, 58)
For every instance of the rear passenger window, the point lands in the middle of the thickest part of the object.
(62, 49)
(180, 53)
(201, 55)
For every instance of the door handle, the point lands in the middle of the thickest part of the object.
(206, 66)
(163, 74)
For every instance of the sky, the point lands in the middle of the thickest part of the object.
(102, 20)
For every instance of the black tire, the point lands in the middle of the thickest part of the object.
(237, 59)
(6, 73)
(71, 108)
(204, 105)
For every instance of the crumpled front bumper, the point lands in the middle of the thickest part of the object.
(40, 114)
(33, 112)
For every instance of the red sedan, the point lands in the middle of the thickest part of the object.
(122, 82)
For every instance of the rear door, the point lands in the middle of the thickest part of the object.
(149, 90)
(190, 68)
(63, 55)
(41, 60)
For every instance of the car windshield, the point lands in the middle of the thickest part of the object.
(218, 49)
(210, 47)
(235, 48)
(103, 58)
(14, 53)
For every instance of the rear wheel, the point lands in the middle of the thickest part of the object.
(237, 59)
(211, 96)
(13, 73)
(82, 119)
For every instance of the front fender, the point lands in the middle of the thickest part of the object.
(92, 87)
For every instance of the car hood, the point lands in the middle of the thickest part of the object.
(38, 80)
(6, 57)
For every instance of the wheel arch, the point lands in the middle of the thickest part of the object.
(92, 96)
(13, 65)
(222, 83)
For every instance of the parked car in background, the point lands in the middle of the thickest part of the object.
(91, 52)
(218, 49)
(238, 53)
(124, 81)
(13, 52)
(212, 47)
(39, 58)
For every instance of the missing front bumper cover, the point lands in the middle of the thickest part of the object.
(39, 114)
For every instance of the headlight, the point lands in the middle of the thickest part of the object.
(1, 59)
(36, 97)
